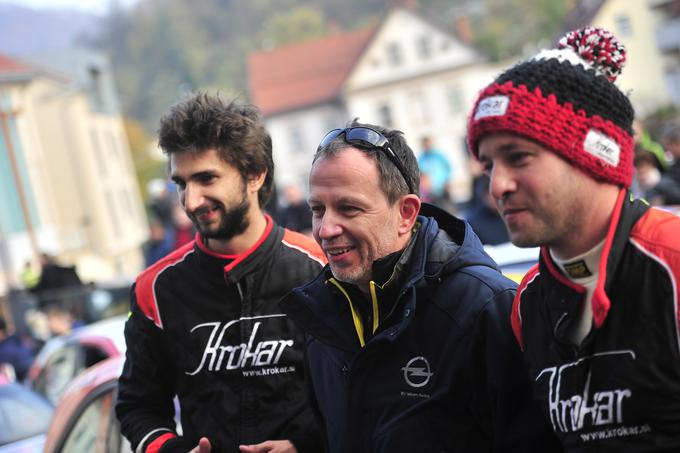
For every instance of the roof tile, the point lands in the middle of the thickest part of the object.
(11, 66)
(306, 73)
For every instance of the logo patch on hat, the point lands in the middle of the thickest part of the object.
(577, 269)
(602, 147)
(492, 106)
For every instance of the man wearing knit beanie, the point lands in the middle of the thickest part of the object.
(598, 318)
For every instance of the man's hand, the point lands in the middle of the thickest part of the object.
(270, 446)
(202, 447)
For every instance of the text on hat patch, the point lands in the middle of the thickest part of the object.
(602, 147)
(492, 106)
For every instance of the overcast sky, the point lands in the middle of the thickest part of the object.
(94, 6)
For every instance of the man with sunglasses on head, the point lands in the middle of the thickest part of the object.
(205, 324)
(409, 345)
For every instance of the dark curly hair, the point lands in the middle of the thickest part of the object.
(205, 121)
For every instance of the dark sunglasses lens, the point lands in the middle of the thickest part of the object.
(330, 136)
(365, 136)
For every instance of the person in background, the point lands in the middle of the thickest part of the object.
(161, 201)
(204, 322)
(29, 277)
(295, 215)
(645, 142)
(60, 319)
(159, 244)
(670, 139)
(656, 187)
(409, 343)
(483, 216)
(184, 231)
(58, 284)
(55, 276)
(598, 317)
(14, 351)
(435, 165)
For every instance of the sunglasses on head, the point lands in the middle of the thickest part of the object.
(365, 137)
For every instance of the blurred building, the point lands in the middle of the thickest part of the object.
(651, 33)
(668, 41)
(67, 183)
(405, 72)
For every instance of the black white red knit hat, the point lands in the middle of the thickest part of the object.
(565, 99)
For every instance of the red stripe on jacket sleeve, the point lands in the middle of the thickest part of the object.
(304, 244)
(656, 235)
(158, 442)
(145, 283)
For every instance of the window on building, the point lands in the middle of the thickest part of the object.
(418, 108)
(332, 121)
(97, 151)
(113, 215)
(673, 83)
(125, 201)
(393, 54)
(113, 144)
(133, 205)
(96, 87)
(424, 47)
(454, 100)
(385, 115)
(297, 139)
(623, 25)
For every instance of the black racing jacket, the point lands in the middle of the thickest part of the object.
(619, 390)
(442, 372)
(207, 328)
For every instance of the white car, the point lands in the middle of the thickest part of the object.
(61, 359)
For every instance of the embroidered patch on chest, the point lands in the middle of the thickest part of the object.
(577, 269)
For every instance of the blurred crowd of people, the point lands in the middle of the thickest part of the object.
(169, 226)
(57, 293)
(657, 164)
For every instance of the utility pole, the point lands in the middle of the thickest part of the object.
(5, 116)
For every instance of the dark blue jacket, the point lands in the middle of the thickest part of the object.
(441, 374)
(14, 351)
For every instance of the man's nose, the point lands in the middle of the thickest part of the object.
(192, 198)
(328, 226)
(501, 182)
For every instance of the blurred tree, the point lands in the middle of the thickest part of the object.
(162, 49)
(147, 164)
(655, 121)
(299, 24)
(514, 27)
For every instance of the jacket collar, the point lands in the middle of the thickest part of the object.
(234, 267)
(627, 212)
(443, 244)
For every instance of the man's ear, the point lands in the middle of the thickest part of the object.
(409, 207)
(255, 182)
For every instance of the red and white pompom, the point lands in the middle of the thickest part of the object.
(598, 47)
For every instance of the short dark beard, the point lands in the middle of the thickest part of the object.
(234, 221)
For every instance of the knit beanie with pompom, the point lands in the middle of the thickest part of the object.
(565, 100)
